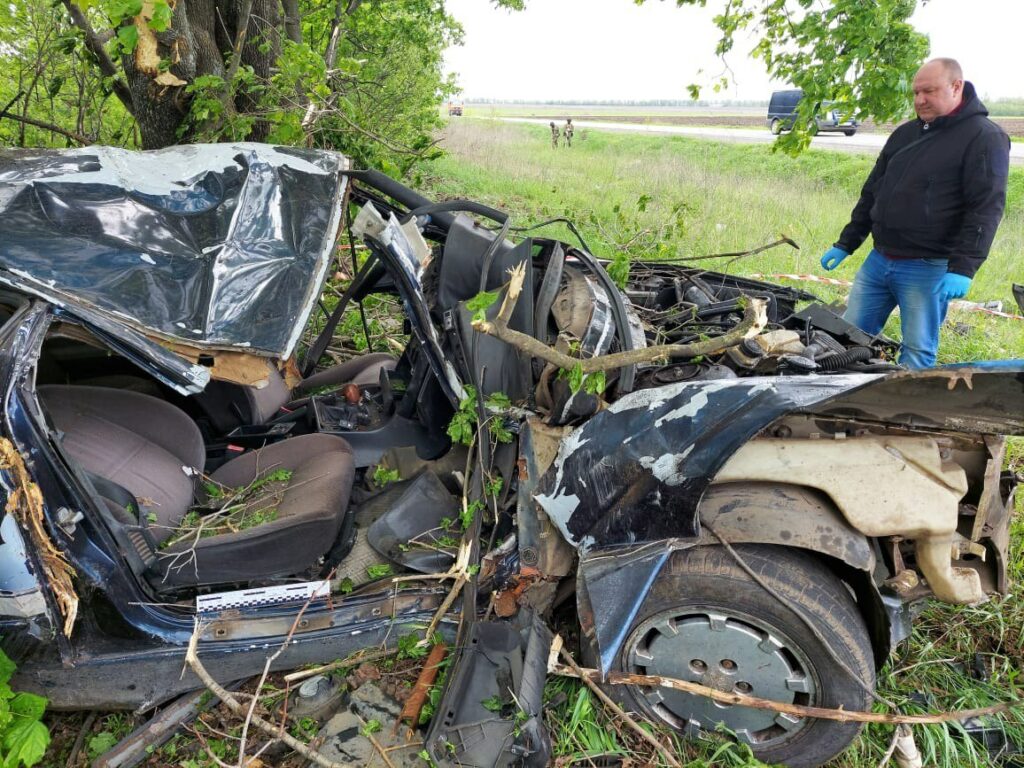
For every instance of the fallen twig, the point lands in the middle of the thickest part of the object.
(753, 322)
(80, 739)
(302, 674)
(797, 710)
(192, 659)
(783, 240)
(606, 700)
(366, 732)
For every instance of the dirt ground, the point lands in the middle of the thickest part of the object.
(1014, 126)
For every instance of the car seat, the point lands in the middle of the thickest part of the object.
(143, 449)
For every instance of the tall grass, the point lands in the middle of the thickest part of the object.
(697, 197)
(657, 197)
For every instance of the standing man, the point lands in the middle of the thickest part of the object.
(932, 205)
(567, 131)
(554, 135)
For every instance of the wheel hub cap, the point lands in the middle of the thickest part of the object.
(729, 653)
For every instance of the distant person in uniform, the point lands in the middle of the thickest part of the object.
(932, 205)
(554, 135)
(567, 131)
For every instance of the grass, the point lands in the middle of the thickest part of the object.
(653, 197)
(656, 197)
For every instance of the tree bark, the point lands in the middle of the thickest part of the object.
(292, 23)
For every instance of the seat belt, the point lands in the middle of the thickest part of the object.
(143, 545)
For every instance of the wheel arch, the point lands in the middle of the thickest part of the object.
(779, 514)
(806, 518)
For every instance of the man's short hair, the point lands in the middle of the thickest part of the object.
(952, 67)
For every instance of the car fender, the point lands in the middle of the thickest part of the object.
(788, 515)
(739, 513)
(637, 471)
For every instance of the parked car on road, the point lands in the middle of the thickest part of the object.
(782, 113)
(174, 462)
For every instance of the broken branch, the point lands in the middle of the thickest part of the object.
(606, 700)
(192, 659)
(753, 322)
(783, 240)
(797, 710)
(302, 674)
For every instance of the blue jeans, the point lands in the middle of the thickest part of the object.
(912, 284)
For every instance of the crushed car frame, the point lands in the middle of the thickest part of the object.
(733, 486)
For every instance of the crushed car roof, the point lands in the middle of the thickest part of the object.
(221, 246)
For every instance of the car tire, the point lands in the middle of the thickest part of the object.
(849, 132)
(776, 127)
(704, 609)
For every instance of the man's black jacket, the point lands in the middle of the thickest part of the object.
(937, 190)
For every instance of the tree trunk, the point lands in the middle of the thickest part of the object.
(200, 31)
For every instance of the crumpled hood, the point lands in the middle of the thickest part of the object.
(221, 246)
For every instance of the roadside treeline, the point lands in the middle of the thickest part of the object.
(364, 78)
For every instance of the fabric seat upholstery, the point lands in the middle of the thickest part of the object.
(149, 447)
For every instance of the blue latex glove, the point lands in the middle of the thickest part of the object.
(833, 258)
(953, 286)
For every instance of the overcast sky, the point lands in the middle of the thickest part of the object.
(613, 49)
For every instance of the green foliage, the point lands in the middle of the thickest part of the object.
(378, 571)
(493, 486)
(468, 513)
(23, 738)
(372, 726)
(303, 729)
(492, 704)
(462, 427)
(100, 743)
(239, 508)
(859, 56)
(383, 475)
(480, 303)
(409, 647)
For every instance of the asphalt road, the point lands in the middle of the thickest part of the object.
(869, 143)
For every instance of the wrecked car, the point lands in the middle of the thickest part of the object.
(723, 481)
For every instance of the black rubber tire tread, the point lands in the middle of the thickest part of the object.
(709, 577)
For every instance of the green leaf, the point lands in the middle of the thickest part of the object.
(576, 378)
(499, 400)
(480, 303)
(595, 383)
(7, 667)
(100, 743)
(161, 20)
(492, 704)
(25, 743)
(346, 585)
(371, 727)
(378, 571)
(128, 37)
(28, 705)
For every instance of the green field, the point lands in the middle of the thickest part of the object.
(649, 197)
(701, 197)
